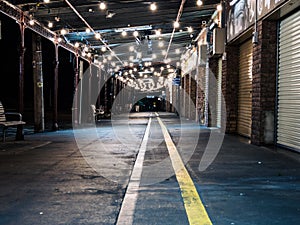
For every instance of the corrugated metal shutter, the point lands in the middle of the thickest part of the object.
(288, 117)
(219, 92)
(245, 90)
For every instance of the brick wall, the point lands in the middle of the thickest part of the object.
(230, 77)
(200, 97)
(212, 96)
(264, 82)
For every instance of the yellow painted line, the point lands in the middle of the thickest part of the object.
(194, 207)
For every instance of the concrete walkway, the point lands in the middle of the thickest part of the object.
(81, 176)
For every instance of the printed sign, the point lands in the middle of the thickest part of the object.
(242, 13)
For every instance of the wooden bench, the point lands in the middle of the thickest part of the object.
(10, 119)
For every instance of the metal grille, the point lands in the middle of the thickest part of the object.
(245, 90)
(288, 115)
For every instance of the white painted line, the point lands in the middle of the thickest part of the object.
(128, 206)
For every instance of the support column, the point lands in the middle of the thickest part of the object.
(76, 79)
(200, 95)
(37, 63)
(20, 134)
(99, 87)
(230, 75)
(90, 117)
(264, 83)
(55, 89)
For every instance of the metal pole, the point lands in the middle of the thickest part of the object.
(39, 125)
(20, 134)
(75, 109)
(55, 89)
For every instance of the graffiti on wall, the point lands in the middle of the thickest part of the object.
(242, 13)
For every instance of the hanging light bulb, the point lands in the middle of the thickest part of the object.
(176, 24)
(50, 24)
(31, 22)
(97, 36)
(124, 33)
(158, 32)
(102, 6)
(88, 30)
(153, 6)
(135, 33)
(199, 3)
(219, 7)
(76, 45)
(63, 31)
(46, 1)
(190, 29)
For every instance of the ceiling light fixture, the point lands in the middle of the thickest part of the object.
(177, 19)
(190, 29)
(46, 1)
(109, 14)
(124, 33)
(87, 24)
(219, 7)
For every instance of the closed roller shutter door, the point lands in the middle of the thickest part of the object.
(288, 115)
(219, 91)
(245, 90)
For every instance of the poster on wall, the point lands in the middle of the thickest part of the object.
(241, 14)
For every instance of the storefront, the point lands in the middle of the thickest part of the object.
(245, 89)
(288, 110)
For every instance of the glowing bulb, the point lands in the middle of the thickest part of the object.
(219, 7)
(160, 44)
(190, 29)
(50, 24)
(98, 36)
(176, 24)
(124, 33)
(31, 22)
(88, 30)
(46, 1)
(76, 45)
(158, 32)
(153, 6)
(199, 3)
(135, 33)
(63, 31)
(102, 6)
(131, 48)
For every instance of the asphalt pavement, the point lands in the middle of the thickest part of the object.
(90, 174)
